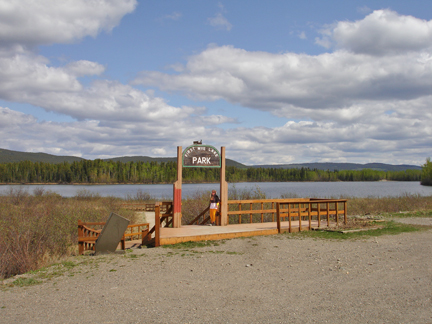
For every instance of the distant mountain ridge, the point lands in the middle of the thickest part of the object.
(7, 156)
(344, 166)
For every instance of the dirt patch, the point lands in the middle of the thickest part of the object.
(270, 279)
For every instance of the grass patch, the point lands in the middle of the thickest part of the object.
(388, 228)
(191, 244)
(24, 282)
(422, 213)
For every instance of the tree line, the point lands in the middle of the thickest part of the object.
(108, 172)
(426, 175)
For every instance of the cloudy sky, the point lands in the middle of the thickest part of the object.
(272, 81)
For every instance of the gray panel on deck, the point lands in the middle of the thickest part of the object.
(111, 234)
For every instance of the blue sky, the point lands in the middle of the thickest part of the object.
(272, 81)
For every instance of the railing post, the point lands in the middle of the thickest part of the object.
(309, 215)
(80, 234)
(272, 207)
(278, 217)
(337, 213)
(328, 214)
(299, 216)
(262, 214)
(345, 212)
(157, 224)
(289, 218)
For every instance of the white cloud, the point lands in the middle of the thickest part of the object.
(302, 35)
(174, 16)
(366, 96)
(384, 32)
(31, 23)
(276, 82)
(83, 68)
(219, 21)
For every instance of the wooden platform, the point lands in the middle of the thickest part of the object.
(188, 233)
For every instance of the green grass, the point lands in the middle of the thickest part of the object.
(24, 282)
(192, 245)
(389, 228)
(423, 213)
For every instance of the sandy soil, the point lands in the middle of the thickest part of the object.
(272, 279)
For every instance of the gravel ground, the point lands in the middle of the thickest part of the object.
(271, 279)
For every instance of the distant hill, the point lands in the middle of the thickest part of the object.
(7, 156)
(124, 159)
(344, 166)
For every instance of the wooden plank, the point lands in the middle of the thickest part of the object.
(219, 236)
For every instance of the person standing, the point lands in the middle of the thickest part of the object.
(214, 204)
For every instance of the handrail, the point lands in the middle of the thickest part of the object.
(266, 207)
(87, 236)
(163, 212)
(310, 209)
(195, 220)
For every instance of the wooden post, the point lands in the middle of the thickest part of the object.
(223, 190)
(309, 215)
(337, 213)
(157, 224)
(177, 190)
(345, 212)
(299, 215)
(80, 234)
(278, 217)
(289, 218)
(262, 214)
(328, 214)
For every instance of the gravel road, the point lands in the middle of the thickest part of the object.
(270, 279)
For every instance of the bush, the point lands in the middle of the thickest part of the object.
(426, 175)
(35, 229)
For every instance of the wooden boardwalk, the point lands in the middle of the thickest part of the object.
(251, 217)
(194, 233)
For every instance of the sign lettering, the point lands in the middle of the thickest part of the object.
(201, 156)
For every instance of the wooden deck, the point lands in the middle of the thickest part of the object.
(204, 233)
(248, 218)
(194, 233)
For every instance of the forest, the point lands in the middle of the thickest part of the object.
(109, 172)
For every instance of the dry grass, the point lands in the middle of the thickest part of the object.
(421, 205)
(40, 227)
(35, 229)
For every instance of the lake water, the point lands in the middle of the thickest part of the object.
(271, 189)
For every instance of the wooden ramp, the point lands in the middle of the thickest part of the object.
(251, 217)
(205, 233)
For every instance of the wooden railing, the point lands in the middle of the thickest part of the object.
(314, 210)
(164, 217)
(265, 210)
(87, 236)
(202, 218)
(138, 206)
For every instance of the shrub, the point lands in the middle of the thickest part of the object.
(426, 175)
(36, 229)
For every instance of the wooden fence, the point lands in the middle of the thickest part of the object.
(265, 210)
(164, 216)
(87, 235)
(312, 210)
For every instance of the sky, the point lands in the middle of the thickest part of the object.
(274, 82)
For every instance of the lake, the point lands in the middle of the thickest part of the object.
(271, 189)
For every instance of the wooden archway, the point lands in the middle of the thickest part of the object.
(177, 186)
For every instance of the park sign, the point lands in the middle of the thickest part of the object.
(204, 156)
